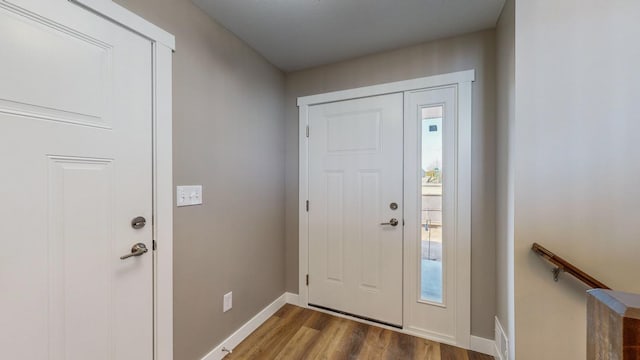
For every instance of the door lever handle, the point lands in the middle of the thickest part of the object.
(137, 250)
(392, 222)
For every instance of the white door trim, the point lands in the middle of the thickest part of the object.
(130, 20)
(462, 80)
(163, 45)
(459, 77)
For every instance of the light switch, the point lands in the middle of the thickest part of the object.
(227, 302)
(189, 195)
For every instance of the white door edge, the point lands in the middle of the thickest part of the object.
(463, 80)
(163, 45)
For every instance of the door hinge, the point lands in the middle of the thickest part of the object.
(154, 246)
(307, 206)
(307, 279)
(307, 130)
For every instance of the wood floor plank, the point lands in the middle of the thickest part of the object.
(479, 356)
(351, 342)
(375, 343)
(295, 333)
(318, 320)
(324, 348)
(296, 347)
(286, 311)
(427, 350)
(401, 346)
(321, 341)
(285, 331)
(290, 319)
(260, 335)
(448, 352)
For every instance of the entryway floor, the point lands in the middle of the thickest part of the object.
(297, 333)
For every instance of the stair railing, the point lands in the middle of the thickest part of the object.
(562, 265)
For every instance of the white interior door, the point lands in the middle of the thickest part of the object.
(355, 175)
(76, 155)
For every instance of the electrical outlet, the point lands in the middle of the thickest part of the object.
(227, 302)
(189, 195)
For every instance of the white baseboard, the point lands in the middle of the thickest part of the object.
(501, 347)
(236, 338)
(482, 345)
(292, 298)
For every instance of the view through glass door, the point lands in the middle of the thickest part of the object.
(431, 205)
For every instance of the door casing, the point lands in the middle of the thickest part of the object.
(462, 80)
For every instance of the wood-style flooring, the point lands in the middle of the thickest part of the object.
(298, 333)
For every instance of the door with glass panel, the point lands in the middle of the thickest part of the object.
(430, 158)
(384, 236)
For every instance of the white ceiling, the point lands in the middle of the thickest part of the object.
(297, 34)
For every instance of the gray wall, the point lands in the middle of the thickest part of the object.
(229, 136)
(505, 87)
(577, 163)
(473, 51)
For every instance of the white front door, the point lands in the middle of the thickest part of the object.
(355, 209)
(76, 155)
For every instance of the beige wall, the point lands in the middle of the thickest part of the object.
(229, 136)
(474, 51)
(505, 87)
(577, 163)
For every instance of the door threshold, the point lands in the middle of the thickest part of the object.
(356, 316)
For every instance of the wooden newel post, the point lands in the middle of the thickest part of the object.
(613, 325)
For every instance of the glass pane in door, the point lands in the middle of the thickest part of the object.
(431, 287)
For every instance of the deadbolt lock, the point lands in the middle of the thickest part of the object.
(139, 222)
(393, 206)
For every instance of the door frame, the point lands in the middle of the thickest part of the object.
(163, 46)
(463, 81)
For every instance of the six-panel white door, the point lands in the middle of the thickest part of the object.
(76, 156)
(355, 175)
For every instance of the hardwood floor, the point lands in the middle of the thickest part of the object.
(298, 333)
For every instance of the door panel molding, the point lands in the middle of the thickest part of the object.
(463, 82)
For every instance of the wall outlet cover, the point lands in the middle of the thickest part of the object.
(227, 302)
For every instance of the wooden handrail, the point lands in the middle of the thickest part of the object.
(565, 266)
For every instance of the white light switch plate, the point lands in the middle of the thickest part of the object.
(189, 195)
(227, 302)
